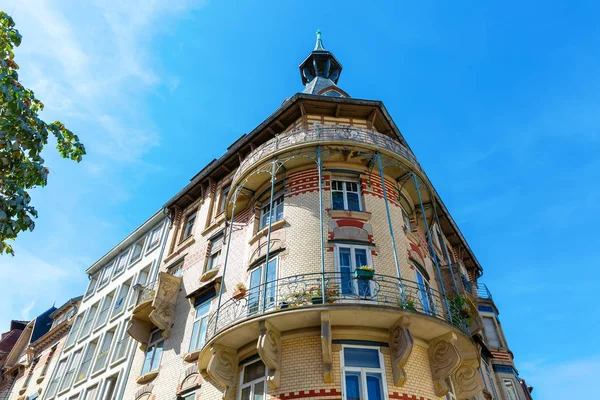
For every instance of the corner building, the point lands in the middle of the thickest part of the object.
(314, 260)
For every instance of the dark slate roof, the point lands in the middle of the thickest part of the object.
(317, 84)
(9, 339)
(42, 325)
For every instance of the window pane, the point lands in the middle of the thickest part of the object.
(259, 390)
(374, 387)
(358, 357)
(147, 362)
(352, 386)
(353, 202)
(337, 199)
(345, 270)
(246, 393)
(157, 355)
(254, 371)
(194, 341)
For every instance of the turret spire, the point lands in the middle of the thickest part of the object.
(319, 44)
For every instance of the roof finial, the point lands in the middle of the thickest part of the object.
(319, 44)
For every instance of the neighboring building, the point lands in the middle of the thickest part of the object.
(95, 358)
(35, 354)
(261, 291)
(7, 342)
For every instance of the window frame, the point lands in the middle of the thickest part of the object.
(122, 256)
(262, 291)
(75, 358)
(511, 384)
(93, 284)
(153, 245)
(113, 378)
(201, 320)
(57, 378)
(94, 369)
(363, 372)
(345, 192)
(353, 266)
(122, 340)
(123, 305)
(152, 346)
(210, 259)
(77, 380)
(133, 259)
(406, 219)
(188, 230)
(263, 213)
(110, 295)
(95, 307)
(225, 189)
(93, 388)
(74, 331)
(252, 383)
(107, 272)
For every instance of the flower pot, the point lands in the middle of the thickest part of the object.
(364, 274)
(239, 293)
(316, 300)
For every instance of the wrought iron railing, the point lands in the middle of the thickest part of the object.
(145, 292)
(483, 292)
(325, 134)
(340, 288)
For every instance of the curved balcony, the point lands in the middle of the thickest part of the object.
(325, 135)
(342, 290)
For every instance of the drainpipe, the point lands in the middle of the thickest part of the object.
(127, 370)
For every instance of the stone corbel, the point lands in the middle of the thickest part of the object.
(223, 369)
(164, 301)
(269, 350)
(401, 344)
(326, 347)
(444, 359)
(467, 380)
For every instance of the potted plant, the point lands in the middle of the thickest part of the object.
(364, 272)
(459, 309)
(239, 291)
(331, 292)
(408, 303)
(316, 296)
(296, 299)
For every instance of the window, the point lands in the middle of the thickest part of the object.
(153, 352)
(363, 373)
(510, 388)
(92, 285)
(214, 254)
(253, 381)
(345, 195)
(106, 273)
(406, 219)
(89, 320)
(189, 226)
(48, 359)
(154, 237)
(73, 364)
(121, 262)
(489, 378)
(262, 287)
(141, 280)
(103, 316)
(187, 396)
(275, 215)
(76, 397)
(53, 385)
(491, 333)
(451, 394)
(60, 319)
(109, 388)
(123, 341)
(425, 297)
(200, 322)
(138, 248)
(223, 199)
(74, 331)
(176, 270)
(121, 299)
(87, 361)
(102, 356)
(90, 394)
(348, 259)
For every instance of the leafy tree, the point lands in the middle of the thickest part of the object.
(23, 135)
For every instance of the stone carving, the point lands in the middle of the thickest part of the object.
(164, 301)
(401, 345)
(443, 360)
(223, 369)
(467, 380)
(269, 350)
(326, 347)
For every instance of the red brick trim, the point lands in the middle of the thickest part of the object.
(404, 396)
(302, 394)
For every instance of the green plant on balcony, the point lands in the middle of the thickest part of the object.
(239, 291)
(459, 309)
(332, 292)
(408, 303)
(364, 272)
(295, 299)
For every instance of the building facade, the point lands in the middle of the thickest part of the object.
(315, 260)
(96, 356)
(36, 352)
(8, 340)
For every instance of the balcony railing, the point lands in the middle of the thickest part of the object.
(340, 288)
(325, 134)
(145, 292)
(483, 292)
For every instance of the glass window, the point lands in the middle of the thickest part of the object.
(224, 194)
(121, 262)
(90, 394)
(214, 254)
(106, 273)
(189, 226)
(511, 390)
(187, 396)
(491, 333)
(155, 237)
(406, 220)
(349, 258)
(262, 287)
(109, 388)
(363, 373)
(141, 280)
(345, 195)
(275, 215)
(89, 320)
(74, 331)
(102, 356)
(53, 385)
(153, 352)
(177, 270)
(200, 322)
(253, 381)
(103, 316)
(137, 251)
(121, 299)
(87, 361)
(122, 342)
(425, 297)
(92, 285)
(73, 364)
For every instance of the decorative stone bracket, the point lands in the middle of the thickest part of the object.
(444, 360)
(165, 300)
(401, 345)
(223, 369)
(326, 347)
(467, 380)
(269, 350)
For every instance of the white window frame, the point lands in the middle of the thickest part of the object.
(107, 381)
(353, 265)
(74, 331)
(254, 382)
(91, 351)
(225, 189)
(200, 320)
(345, 193)
(133, 259)
(124, 256)
(496, 331)
(94, 394)
(123, 305)
(94, 308)
(75, 358)
(107, 273)
(135, 292)
(57, 378)
(151, 346)
(94, 282)
(153, 245)
(106, 303)
(213, 260)
(363, 371)
(506, 383)
(122, 340)
(263, 286)
(263, 210)
(406, 219)
(188, 230)
(95, 369)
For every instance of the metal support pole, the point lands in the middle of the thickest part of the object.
(235, 195)
(273, 174)
(320, 169)
(444, 246)
(390, 225)
(431, 250)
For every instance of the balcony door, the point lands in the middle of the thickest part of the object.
(348, 259)
(425, 297)
(262, 287)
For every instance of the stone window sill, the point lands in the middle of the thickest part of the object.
(219, 219)
(263, 232)
(208, 275)
(147, 377)
(192, 356)
(40, 379)
(359, 215)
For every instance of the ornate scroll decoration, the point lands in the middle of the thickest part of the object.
(401, 345)
(326, 347)
(223, 369)
(164, 301)
(269, 350)
(443, 360)
(467, 380)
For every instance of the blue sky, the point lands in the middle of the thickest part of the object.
(499, 100)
